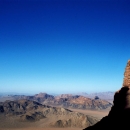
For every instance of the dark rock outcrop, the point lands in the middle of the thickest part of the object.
(96, 97)
(118, 117)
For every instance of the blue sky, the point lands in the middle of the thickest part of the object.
(59, 46)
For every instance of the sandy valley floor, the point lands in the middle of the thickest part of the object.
(96, 113)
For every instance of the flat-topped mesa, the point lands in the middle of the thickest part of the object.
(126, 81)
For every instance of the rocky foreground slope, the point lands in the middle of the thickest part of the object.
(67, 101)
(37, 115)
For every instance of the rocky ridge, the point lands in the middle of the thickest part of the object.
(67, 101)
(80, 102)
(31, 111)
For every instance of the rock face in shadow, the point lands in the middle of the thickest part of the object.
(31, 111)
(119, 115)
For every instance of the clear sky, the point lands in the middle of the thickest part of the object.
(63, 46)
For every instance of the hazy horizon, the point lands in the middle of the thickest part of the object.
(58, 93)
(63, 46)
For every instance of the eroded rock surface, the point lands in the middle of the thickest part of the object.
(126, 81)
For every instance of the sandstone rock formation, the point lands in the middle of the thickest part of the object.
(127, 75)
(119, 115)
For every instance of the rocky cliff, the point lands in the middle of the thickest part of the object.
(119, 115)
(126, 81)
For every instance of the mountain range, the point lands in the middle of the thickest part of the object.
(23, 113)
(65, 100)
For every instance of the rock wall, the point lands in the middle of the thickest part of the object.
(126, 81)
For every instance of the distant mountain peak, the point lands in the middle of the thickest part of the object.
(40, 94)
